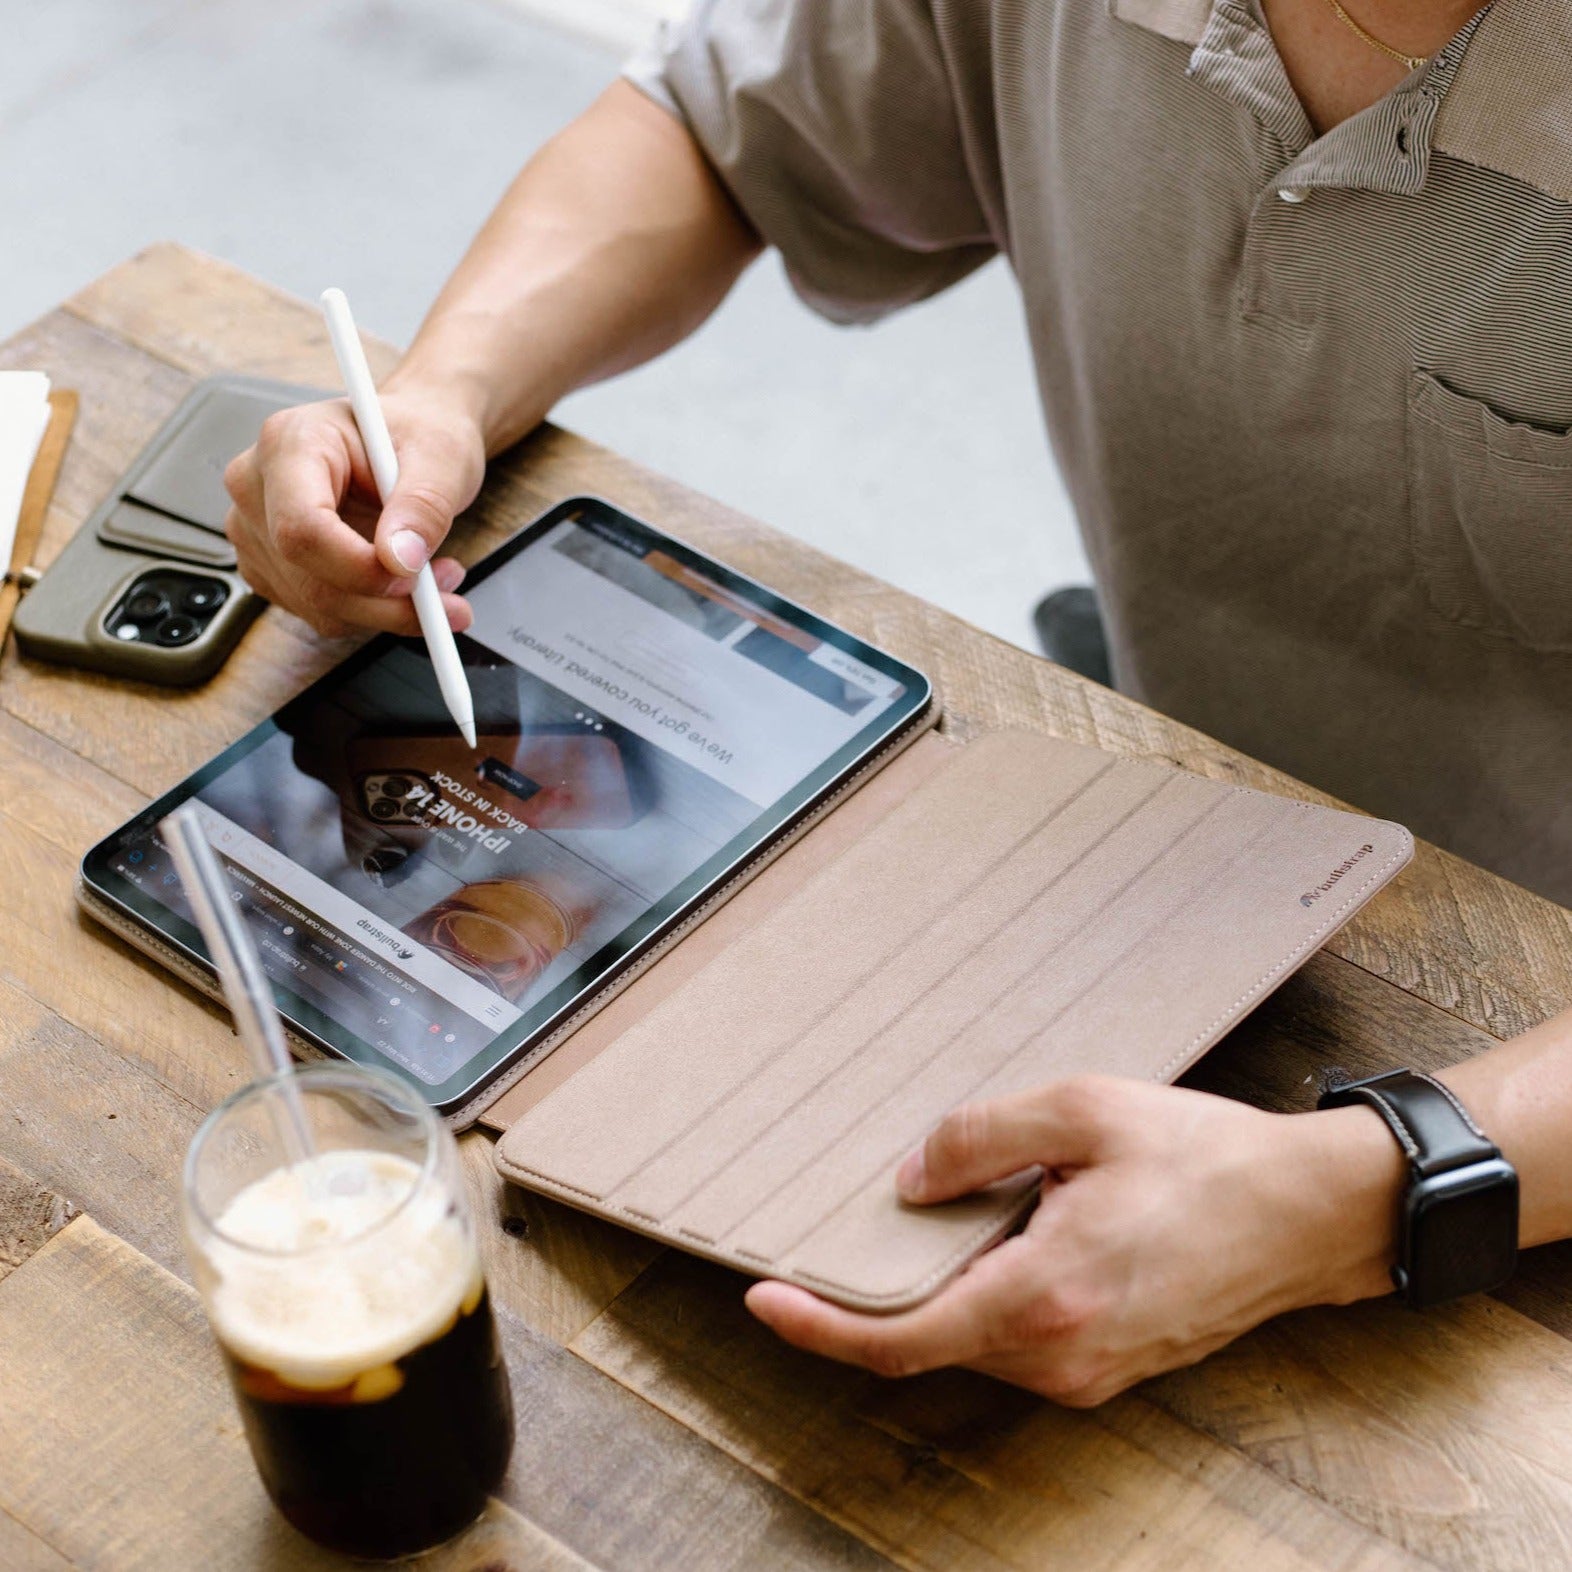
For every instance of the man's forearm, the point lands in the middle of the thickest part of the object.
(1520, 1095)
(615, 241)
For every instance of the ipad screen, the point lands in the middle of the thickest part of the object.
(645, 719)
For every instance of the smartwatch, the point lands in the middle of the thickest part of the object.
(1457, 1230)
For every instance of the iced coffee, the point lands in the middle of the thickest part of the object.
(346, 1294)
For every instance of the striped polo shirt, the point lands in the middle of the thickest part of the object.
(1311, 395)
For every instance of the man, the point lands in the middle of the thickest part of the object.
(1298, 276)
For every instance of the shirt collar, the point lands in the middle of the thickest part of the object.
(1181, 20)
(1516, 57)
(1510, 107)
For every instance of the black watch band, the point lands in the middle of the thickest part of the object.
(1458, 1226)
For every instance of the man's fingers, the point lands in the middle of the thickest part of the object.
(959, 1325)
(1057, 1125)
(322, 549)
(290, 491)
(243, 481)
(308, 525)
(417, 517)
(336, 614)
(395, 613)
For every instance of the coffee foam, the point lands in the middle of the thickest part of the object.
(366, 1268)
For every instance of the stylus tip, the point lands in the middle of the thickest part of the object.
(468, 729)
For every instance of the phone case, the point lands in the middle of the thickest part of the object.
(981, 919)
(166, 512)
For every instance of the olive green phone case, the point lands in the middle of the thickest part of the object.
(166, 513)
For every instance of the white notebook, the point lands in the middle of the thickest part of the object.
(24, 418)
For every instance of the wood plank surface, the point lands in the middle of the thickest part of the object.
(21, 1550)
(30, 1215)
(121, 1135)
(672, 1429)
(142, 1463)
(953, 1471)
(101, 1338)
(1444, 1432)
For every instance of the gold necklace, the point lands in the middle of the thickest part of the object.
(1413, 62)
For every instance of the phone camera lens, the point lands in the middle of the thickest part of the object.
(386, 865)
(383, 808)
(396, 786)
(177, 630)
(203, 598)
(145, 605)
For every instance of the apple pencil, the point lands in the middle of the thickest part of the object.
(363, 401)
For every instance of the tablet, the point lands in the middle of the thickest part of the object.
(650, 723)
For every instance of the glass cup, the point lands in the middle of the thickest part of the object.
(347, 1297)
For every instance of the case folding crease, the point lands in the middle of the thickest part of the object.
(973, 921)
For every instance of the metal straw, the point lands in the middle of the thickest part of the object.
(234, 953)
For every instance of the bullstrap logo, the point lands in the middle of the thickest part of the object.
(1310, 897)
(385, 939)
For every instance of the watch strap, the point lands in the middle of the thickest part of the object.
(1431, 1125)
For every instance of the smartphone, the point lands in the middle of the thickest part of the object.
(148, 587)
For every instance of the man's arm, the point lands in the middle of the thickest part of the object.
(615, 241)
(1171, 1221)
(1520, 1095)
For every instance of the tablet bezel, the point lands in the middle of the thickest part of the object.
(634, 942)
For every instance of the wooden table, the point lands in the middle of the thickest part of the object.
(659, 1426)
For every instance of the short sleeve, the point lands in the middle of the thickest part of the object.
(834, 125)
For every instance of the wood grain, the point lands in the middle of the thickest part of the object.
(21, 1550)
(635, 1489)
(676, 1431)
(30, 1215)
(99, 1338)
(1445, 1432)
(98, 1126)
(554, 1267)
(94, 1126)
(1331, 1018)
(954, 1471)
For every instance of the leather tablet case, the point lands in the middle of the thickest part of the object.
(974, 921)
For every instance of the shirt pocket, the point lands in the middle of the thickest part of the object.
(1490, 514)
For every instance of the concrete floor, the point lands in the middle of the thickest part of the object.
(361, 142)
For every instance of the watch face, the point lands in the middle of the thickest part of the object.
(1462, 1232)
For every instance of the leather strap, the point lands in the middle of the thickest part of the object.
(1431, 1125)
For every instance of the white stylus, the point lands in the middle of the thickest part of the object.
(363, 401)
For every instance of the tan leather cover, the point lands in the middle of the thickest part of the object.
(1033, 908)
(751, 904)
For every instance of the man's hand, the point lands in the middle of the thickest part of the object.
(1170, 1221)
(310, 533)
(615, 241)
